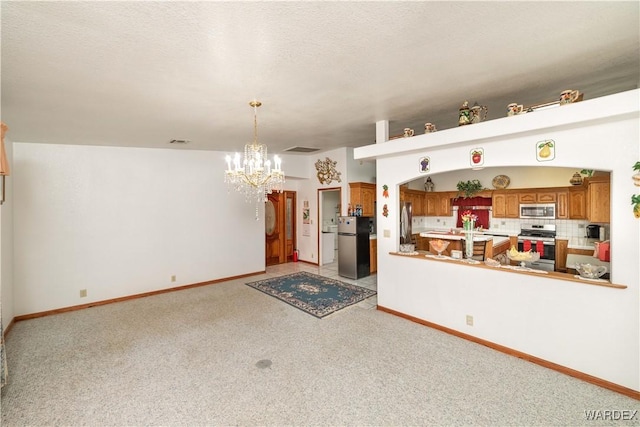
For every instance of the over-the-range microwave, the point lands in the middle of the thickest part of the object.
(538, 211)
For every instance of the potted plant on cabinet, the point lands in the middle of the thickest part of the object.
(469, 188)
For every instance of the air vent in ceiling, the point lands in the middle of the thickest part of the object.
(301, 150)
(179, 141)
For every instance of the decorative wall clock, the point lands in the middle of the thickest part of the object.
(326, 171)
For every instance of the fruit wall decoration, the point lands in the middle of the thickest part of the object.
(476, 157)
(425, 164)
(545, 150)
(635, 198)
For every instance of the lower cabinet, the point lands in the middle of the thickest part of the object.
(561, 255)
(373, 255)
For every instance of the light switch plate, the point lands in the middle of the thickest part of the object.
(387, 233)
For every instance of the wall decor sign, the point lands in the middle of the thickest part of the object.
(545, 150)
(425, 164)
(476, 157)
(306, 216)
(326, 171)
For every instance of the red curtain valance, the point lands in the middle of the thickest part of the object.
(472, 201)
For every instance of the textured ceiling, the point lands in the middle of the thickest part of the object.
(144, 73)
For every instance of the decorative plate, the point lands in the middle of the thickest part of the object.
(500, 182)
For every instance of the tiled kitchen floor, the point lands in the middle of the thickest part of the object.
(329, 270)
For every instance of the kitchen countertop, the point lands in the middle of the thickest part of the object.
(581, 243)
(573, 259)
(478, 236)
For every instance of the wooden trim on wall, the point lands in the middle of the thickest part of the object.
(520, 355)
(130, 297)
(8, 328)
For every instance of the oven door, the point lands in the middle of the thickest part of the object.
(547, 253)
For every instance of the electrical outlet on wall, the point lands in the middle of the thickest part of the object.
(469, 320)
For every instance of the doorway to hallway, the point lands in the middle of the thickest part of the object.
(329, 207)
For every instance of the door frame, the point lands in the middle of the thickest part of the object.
(285, 254)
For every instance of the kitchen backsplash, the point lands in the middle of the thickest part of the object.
(564, 227)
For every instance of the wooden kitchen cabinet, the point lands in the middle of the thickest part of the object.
(546, 197)
(422, 243)
(416, 197)
(505, 204)
(364, 194)
(537, 197)
(599, 199)
(562, 205)
(527, 197)
(444, 204)
(437, 203)
(373, 255)
(577, 203)
(430, 204)
(561, 255)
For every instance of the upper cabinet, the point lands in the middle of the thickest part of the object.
(589, 201)
(598, 199)
(363, 194)
(505, 204)
(428, 203)
(577, 203)
(416, 197)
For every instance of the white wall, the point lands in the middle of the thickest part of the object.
(6, 245)
(309, 246)
(121, 221)
(360, 170)
(522, 177)
(592, 329)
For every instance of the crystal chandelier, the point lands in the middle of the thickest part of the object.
(254, 176)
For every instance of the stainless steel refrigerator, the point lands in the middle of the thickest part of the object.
(353, 241)
(406, 214)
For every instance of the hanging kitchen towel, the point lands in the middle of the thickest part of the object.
(526, 245)
(540, 247)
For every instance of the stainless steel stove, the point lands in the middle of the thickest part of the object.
(539, 238)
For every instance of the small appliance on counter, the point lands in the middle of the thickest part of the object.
(593, 231)
(596, 231)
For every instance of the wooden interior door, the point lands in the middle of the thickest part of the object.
(274, 229)
(280, 227)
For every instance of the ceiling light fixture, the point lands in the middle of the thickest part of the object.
(254, 176)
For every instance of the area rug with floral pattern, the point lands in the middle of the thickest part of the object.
(313, 294)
